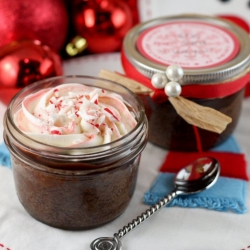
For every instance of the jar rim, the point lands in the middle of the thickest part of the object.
(100, 149)
(84, 173)
(202, 75)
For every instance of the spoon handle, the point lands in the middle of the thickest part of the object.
(148, 213)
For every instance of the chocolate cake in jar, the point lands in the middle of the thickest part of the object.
(75, 145)
(215, 57)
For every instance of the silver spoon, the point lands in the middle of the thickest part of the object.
(194, 178)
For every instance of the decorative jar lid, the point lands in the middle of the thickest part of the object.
(209, 49)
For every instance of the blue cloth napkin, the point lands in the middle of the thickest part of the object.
(229, 145)
(4, 156)
(228, 194)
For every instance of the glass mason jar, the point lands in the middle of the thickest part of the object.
(215, 56)
(75, 188)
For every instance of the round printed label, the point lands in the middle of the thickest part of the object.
(188, 44)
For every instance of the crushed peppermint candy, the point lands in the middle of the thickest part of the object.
(74, 115)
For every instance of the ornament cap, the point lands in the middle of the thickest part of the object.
(76, 46)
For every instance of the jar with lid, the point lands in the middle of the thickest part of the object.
(215, 56)
(75, 187)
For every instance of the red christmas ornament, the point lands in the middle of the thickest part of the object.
(44, 20)
(22, 63)
(133, 5)
(103, 23)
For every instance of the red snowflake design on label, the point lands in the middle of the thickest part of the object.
(189, 44)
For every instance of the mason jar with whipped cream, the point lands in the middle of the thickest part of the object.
(215, 57)
(75, 145)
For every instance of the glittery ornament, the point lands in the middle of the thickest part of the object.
(45, 20)
(103, 23)
(25, 62)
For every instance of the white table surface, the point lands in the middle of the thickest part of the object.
(172, 228)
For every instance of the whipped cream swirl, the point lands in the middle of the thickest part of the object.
(74, 115)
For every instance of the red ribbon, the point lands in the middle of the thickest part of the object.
(237, 20)
(203, 91)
